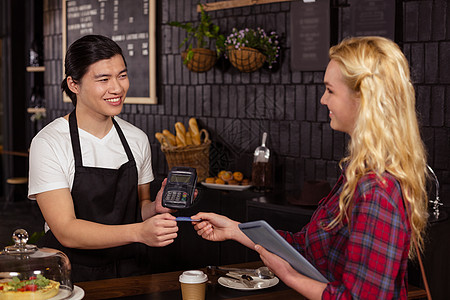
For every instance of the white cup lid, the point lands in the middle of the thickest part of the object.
(193, 276)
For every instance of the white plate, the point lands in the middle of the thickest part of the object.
(237, 285)
(227, 187)
(76, 294)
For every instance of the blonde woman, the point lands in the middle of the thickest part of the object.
(360, 235)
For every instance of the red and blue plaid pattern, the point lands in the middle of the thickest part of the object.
(368, 259)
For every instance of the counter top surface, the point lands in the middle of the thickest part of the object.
(166, 286)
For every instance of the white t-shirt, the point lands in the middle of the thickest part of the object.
(52, 165)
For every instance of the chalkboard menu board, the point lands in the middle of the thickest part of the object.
(373, 17)
(310, 35)
(131, 24)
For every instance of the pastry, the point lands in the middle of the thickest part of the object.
(219, 181)
(226, 176)
(210, 180)
(238, 176)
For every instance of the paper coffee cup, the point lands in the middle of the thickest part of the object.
(193, 285)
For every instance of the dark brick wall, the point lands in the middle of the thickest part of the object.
(236, 107)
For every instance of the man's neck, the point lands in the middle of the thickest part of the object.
(96, 124)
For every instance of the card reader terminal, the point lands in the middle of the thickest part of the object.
(180, 187)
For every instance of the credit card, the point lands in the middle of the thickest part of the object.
(187, 219)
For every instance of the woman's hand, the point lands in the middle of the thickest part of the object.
(159, 230)
(306, 286)
(275, 263)
(215, 227)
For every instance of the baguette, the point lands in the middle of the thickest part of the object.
(195, 132)
(181, 134)
(170, 137)
(188, 138)
(160, 137)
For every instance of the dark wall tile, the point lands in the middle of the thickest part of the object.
(311, 103)
(316, 140)
(424, 24)
(294, 139)
(199, 101)
(305, 139)
(444, 62)
(423, 104)
(437, 106)
(290, 102)
(300, 102)
(447, 106)
(442, 148)
(327, 142)
(432, 63)
(411, 20)
(417, 62)
(439, 17)
(284, 139)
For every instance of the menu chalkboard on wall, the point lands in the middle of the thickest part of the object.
(373, 17)
(131, 24)
(310, 35)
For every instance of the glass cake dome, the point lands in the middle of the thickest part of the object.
(25, 267)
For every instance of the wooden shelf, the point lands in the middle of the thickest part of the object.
(33, 110)
(234, 3)
(36, 69)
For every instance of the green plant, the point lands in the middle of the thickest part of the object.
(257, 39)
(201, 34)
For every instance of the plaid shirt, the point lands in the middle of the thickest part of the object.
(368, 259)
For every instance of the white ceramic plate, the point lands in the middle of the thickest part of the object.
(227, 187)
(77, 294)
(237, 285)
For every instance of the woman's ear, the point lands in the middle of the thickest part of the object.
(72, 84)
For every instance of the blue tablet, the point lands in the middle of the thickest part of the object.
(260, 232)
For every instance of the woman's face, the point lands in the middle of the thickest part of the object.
(102, 90)
(341, 101)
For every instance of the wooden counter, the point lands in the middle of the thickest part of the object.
(166, 286)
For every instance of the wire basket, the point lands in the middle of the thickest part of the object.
(202, 60)
(190, 156)
(246, 59)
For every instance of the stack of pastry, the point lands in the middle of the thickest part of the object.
(228, 177)
(182, 137)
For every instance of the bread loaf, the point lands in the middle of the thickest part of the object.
(170, 137)
(160, 137)
(195, 132)
(181, 134)
(188, 138)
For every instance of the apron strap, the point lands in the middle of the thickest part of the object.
(123, 140)
(75, 138)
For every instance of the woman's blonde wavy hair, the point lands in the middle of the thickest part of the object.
(386, 136)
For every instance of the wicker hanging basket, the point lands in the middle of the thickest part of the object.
(246, 59)
(190, 156)
(202, 60)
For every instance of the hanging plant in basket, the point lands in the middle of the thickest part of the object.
(249, 49)
(200, 36)
(199, 59)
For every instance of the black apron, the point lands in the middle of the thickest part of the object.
(106, 196)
